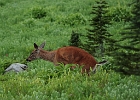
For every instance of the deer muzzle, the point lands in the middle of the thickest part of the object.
(28, 59)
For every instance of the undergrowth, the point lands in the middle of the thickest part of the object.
(61, 83)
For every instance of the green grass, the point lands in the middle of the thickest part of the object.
(37, 84)
(43, 81)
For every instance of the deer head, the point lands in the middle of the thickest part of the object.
(35, 53)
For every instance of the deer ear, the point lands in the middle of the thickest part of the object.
(35, 46)
(42, 45)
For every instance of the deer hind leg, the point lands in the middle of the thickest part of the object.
(85, 70)
(72, 67)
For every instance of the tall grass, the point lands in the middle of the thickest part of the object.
(68, 85)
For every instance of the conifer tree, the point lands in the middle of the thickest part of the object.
(128, 55)
(98, 35)
(75, 39)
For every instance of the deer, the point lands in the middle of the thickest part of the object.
(65, 55)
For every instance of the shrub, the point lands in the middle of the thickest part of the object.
(73, 19)
(75, 39)
(2, 3)
(38, 13)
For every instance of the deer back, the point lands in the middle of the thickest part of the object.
(74, 55)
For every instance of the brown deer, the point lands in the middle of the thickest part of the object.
(65, 55)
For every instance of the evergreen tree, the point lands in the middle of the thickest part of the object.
(75, 39)
(98, 36)
(128, 55)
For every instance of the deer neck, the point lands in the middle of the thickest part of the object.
(47, 55)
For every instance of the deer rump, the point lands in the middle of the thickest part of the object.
(75, 55)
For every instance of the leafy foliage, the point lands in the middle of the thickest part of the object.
(2, 3)
(69, 84)
(73, 19)
(38, 13)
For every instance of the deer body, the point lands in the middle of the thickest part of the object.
(65, 55)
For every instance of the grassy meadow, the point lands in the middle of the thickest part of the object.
(24, 22)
